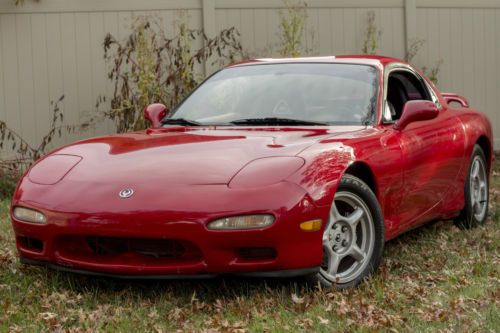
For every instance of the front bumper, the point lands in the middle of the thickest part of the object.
(64, 242)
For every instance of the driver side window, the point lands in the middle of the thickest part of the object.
(402, 86)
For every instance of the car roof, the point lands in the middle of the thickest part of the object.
(373, 60)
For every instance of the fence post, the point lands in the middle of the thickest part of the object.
(208, 9)
(410, 23)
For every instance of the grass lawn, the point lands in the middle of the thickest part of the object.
(434, 278)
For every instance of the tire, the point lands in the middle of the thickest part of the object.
(353, 239)
(476, 192)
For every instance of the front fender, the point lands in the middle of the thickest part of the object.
(323, 170)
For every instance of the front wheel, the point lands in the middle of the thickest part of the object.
(353, 239)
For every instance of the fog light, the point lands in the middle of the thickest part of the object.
(242, 222)
(32, 244)
(29, 215)
(313, 225)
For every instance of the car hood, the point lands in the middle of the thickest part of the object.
(190, 156)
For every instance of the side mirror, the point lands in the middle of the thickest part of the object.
(154, 113)
(417, 110)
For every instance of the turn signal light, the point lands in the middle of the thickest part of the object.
(313, 225)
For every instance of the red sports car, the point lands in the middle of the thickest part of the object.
(273, 167)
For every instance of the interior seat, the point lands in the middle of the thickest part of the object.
(397, 96)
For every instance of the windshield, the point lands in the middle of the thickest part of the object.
(341, 94)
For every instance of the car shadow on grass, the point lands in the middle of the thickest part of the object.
(208, 289)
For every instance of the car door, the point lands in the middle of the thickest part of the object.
(431, 150)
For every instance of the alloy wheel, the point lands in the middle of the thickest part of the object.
(478, 188)
(348, 239)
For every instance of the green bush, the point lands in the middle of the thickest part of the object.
(372, 35)
(292, 30)
(8, 183)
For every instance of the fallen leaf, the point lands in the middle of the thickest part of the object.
(297, 300)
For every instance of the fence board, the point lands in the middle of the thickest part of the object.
(3, 111)
(25, 90)
(10, 72)
(39, 72)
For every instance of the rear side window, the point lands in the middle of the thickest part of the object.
(414, 87)
(403, 86)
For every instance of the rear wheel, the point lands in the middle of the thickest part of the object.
(476, 192)
(353, 239)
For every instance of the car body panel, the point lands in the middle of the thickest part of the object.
(181, 180)
(433, 157)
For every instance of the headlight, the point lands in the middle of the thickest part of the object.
(242, 222)
(266, 171)
(52, 169)
(29, 215)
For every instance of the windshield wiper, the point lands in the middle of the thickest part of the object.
(276, 121)
(180, 121)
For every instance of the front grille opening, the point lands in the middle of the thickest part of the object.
(154, 248)
(257, 253)
(31, 244)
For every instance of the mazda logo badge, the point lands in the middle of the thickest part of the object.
(126, 193)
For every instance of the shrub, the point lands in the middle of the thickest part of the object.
(292, 28)
(148, 67)
(8, 182)
(292, 22)
(431, 72)
(371, 42)
(372, 35)
(24, 152)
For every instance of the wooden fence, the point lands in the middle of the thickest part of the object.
(54, 47)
